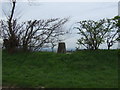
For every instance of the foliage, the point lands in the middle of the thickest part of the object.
(112, 34)
(117, 19)
(94, 33)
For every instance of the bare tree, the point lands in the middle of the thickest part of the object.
(10, 27)
(37, 33)
(29, 35)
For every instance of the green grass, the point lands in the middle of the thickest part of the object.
(83, 69)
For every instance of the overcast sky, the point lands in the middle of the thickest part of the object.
(77, 11)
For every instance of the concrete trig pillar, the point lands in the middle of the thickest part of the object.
(61, 47)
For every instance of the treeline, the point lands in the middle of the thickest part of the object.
(30, 35)
(34, 35)
(94, 33)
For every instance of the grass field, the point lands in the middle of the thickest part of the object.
(82, 69)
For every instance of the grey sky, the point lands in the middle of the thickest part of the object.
(75, 10)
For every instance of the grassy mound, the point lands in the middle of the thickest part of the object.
(82, 69)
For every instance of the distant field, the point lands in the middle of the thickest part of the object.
(82, 69)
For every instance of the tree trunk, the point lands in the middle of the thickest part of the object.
(108, 47)
(52, 49)
(61, 48)
(25, 47)
(96, 48)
